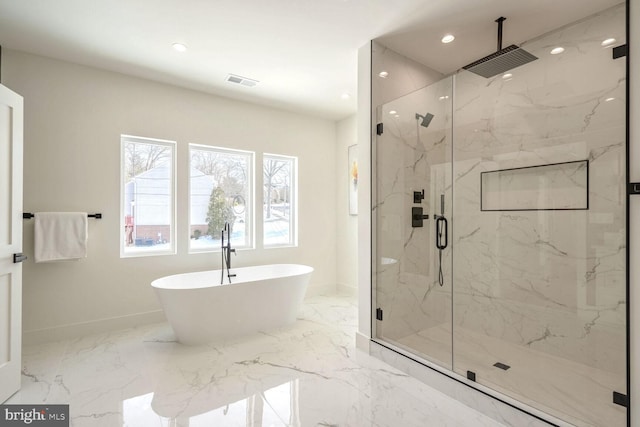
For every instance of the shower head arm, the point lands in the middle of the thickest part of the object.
(504, 59)
(500, 21)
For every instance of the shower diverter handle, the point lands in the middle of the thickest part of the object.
(442, 229)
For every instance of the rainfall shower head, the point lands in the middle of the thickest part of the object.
(426, 119)
(503, 60)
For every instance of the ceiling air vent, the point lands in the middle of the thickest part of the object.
(232, 78)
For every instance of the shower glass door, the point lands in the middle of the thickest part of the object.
(524, 290)
(413, 263)
(539, 239)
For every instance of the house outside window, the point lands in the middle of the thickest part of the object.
(220, 191)
(147, 196)
(279, 174)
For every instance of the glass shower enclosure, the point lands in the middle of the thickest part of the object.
(499, 218)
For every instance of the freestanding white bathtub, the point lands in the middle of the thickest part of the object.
(201, 310)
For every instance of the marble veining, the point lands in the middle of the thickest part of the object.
(308, 374)
(547, 287)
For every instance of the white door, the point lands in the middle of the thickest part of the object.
(10, 241)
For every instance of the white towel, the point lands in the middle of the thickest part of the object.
(60, 236)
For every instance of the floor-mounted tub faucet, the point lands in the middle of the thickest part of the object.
(226, 253)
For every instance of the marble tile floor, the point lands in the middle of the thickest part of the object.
(566, 389)
(308, 374)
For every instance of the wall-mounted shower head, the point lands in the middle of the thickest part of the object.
(426, 119)
(501, 61)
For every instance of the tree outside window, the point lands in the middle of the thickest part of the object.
(220, 184)
(279, 201)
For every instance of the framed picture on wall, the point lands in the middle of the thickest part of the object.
(353, 179)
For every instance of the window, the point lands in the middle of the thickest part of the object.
(220, 191)
(279, 200)
(148, 196)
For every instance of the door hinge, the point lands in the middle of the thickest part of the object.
(633, 188)
(471, 375)
(378, 314)
(620, 399)
(17, 258)
(620, 51)
(379, 128)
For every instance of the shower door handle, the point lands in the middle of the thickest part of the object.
(442, 229)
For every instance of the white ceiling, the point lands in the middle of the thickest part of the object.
(303, 52)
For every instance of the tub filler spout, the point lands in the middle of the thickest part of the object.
(226, 253)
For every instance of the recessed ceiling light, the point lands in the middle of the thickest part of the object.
(609, 99)
(608, 42)
(180, 47)
(442, 98)
(507, 76)
(345, 96)
(393, 112)
(448, 38)
(383, 74)
(557, 50)
(397, 115)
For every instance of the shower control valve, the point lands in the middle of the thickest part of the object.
(417, 217)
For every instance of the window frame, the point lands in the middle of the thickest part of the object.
(172, 145)
(250, 200)
(293, 204)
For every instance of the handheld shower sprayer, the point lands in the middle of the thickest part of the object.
(442, 230)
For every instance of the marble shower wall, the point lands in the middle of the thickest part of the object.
(552, 281)
(535, 271)
(547, 285)
(404, 75)
(411, 157)
(399, 281)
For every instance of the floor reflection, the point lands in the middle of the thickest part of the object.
(273, 407)
(308, 374)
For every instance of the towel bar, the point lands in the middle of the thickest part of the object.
(28, 215)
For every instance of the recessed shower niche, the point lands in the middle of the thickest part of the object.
(556, 186)
(527, 298)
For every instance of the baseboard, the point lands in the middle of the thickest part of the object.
(347, 290)
(315, 290)
(76, 330)
(363, 342)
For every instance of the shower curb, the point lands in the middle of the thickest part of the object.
(509, 414)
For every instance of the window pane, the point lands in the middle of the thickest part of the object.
(279, 200)
(147, 198)
(220, 191)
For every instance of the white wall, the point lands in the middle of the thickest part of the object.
(74, 116)
(346, 224)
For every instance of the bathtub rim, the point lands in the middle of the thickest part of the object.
(306, 269)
